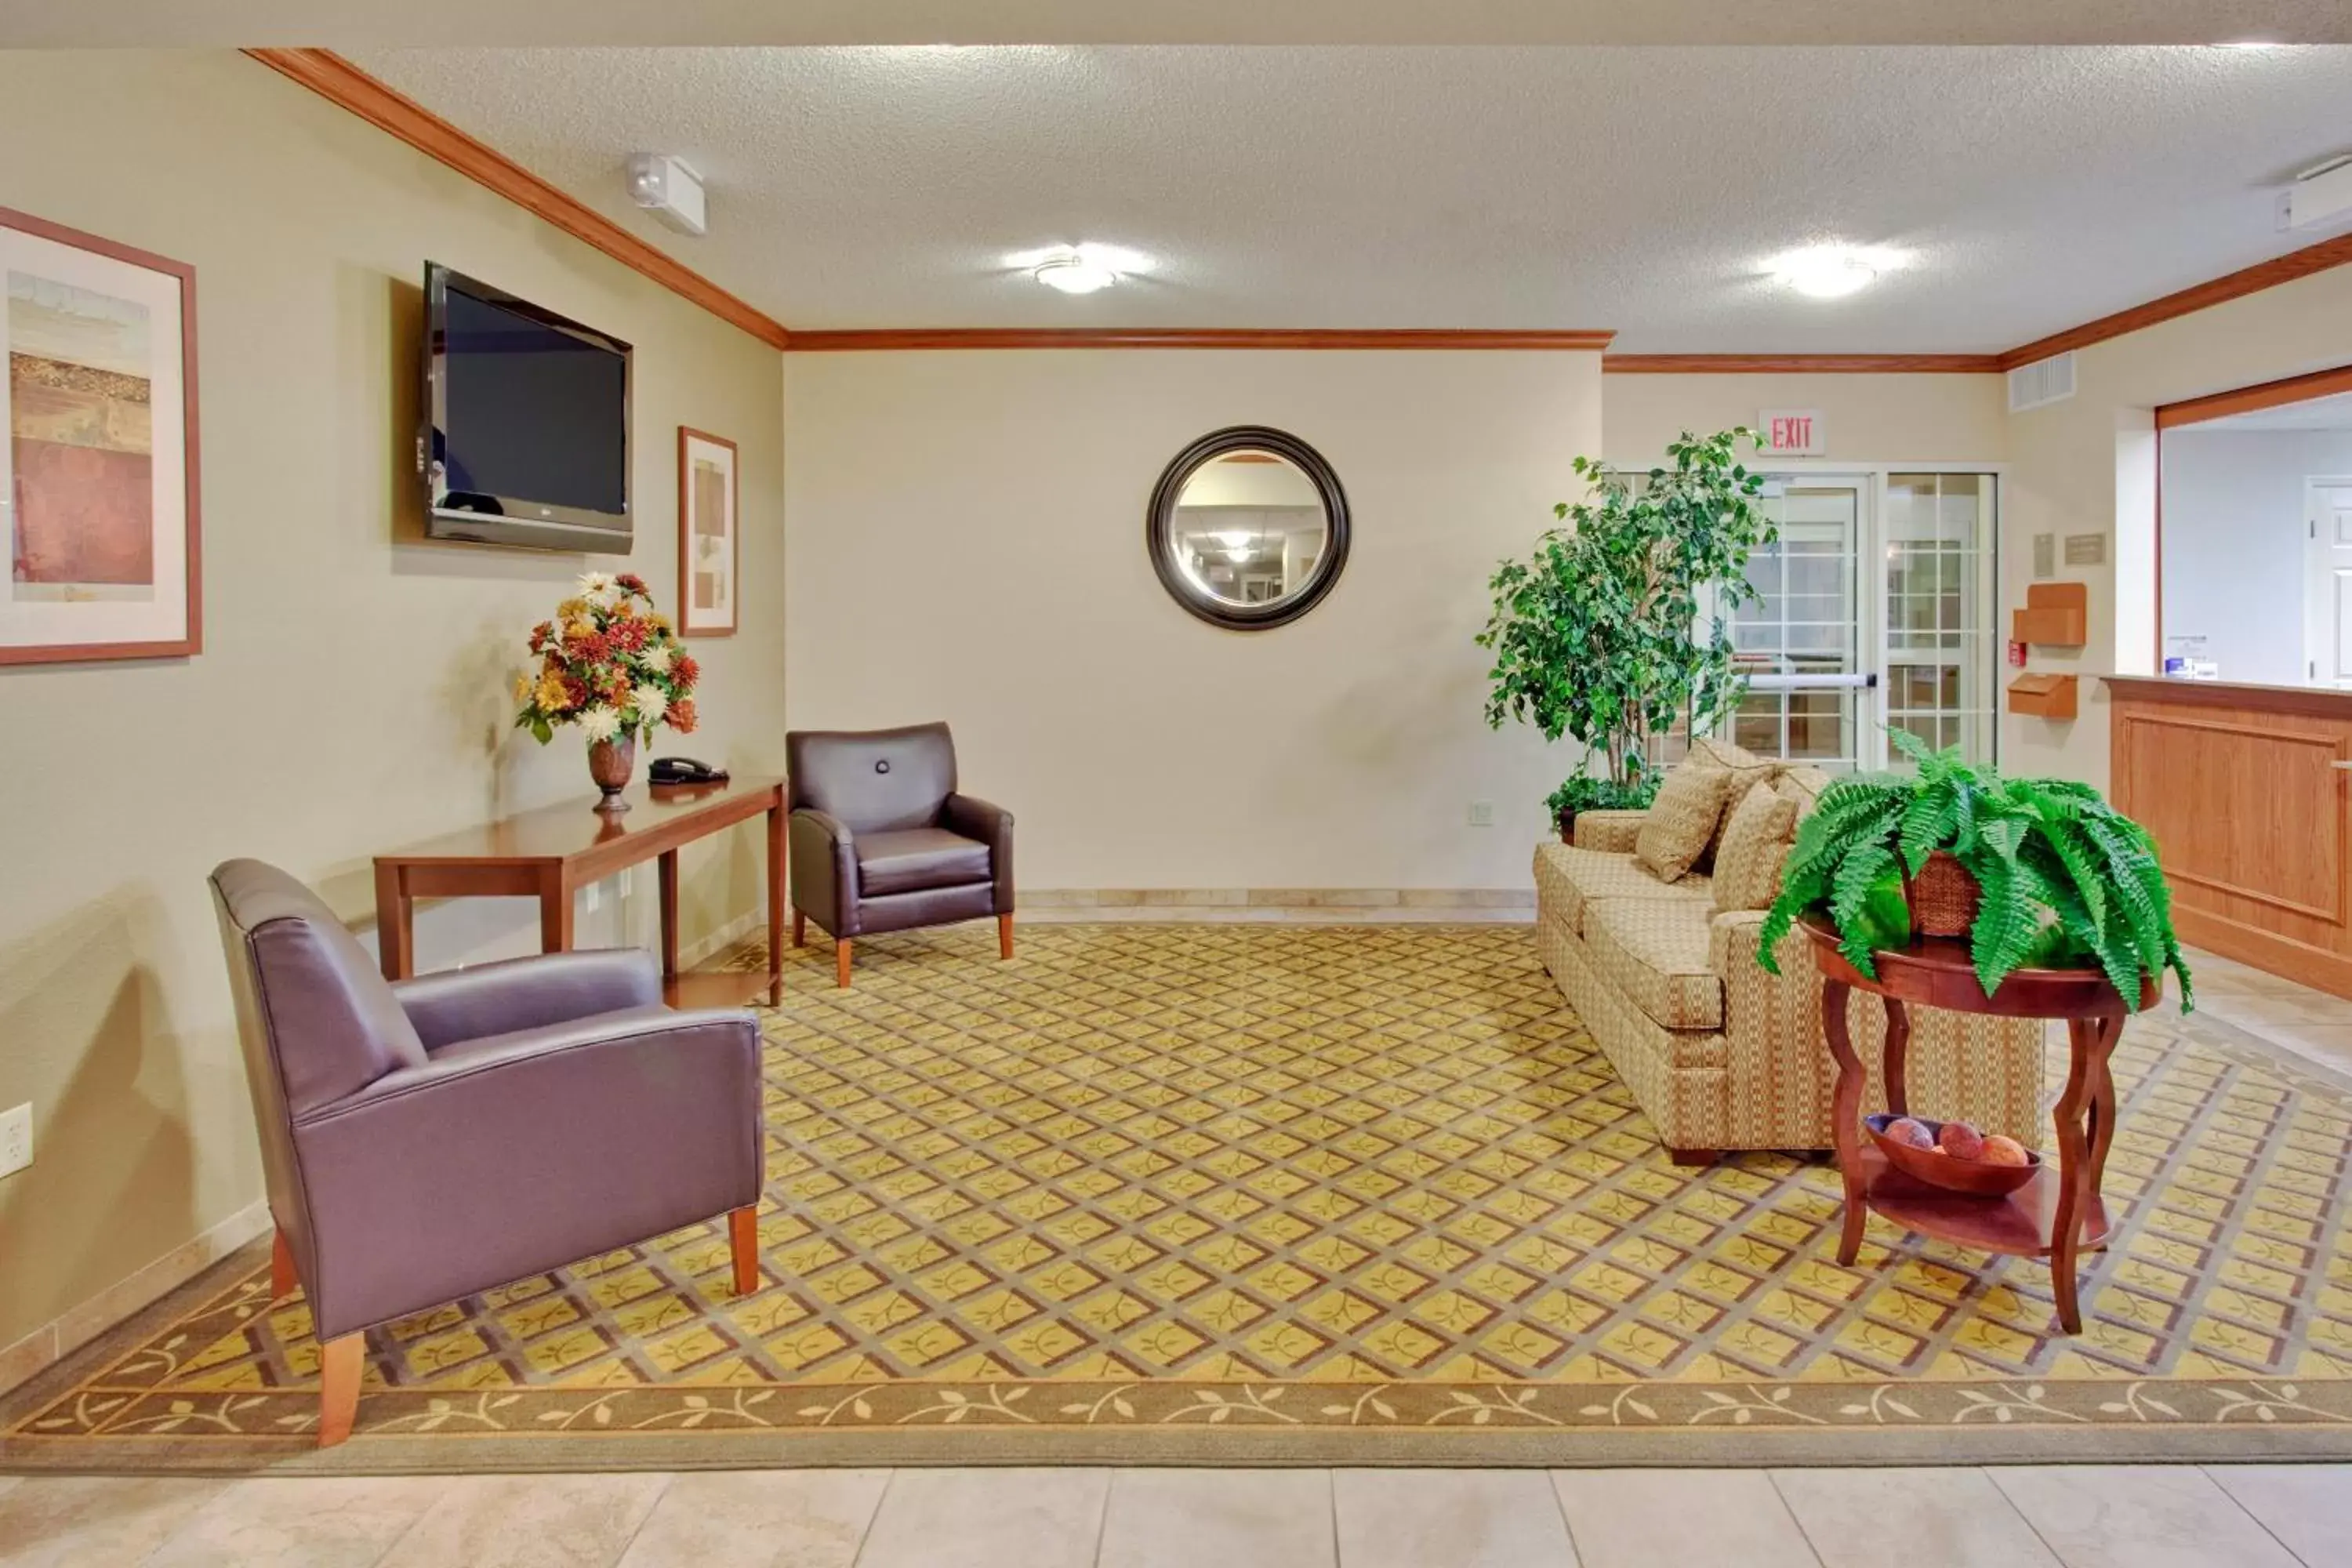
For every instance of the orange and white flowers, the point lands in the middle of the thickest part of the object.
(608, 663)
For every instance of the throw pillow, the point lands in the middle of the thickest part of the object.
(1747, 770)
(1755, 842)
(1804, 785)
(1681, 823)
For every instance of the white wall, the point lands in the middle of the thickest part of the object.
(1873, 419)
(2087, 466)
(966, 531)
(2234, 542)
(352, 695)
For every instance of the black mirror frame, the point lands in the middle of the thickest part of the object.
(1158, 524)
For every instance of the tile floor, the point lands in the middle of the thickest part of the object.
(2145, 1516)
(2081, 1517)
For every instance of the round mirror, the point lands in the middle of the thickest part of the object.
(1248, 528)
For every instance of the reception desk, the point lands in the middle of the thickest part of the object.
(2247, 793)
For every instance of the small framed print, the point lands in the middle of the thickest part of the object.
(98, 476)
(707, 549)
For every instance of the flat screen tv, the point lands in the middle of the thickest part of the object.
(527, 437)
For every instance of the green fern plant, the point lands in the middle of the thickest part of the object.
(2067, 881)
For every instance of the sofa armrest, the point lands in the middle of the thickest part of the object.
(992, 825)
(520, 994)
(1611, 831)
(518, 1154)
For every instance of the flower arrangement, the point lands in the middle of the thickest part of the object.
(609, 663)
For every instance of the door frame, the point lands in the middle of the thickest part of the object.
(1871, 748)
(2315, 630)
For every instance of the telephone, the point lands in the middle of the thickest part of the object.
(685, 771)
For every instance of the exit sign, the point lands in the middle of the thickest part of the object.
(1793, 432)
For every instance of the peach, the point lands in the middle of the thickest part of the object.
(1961, 1141)
(1904, 1130)
(2000, 1149)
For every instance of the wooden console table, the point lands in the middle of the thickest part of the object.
(2060, 1211)
(550, 853)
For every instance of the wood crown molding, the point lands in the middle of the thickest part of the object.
(2246, 399)
(2278, 269)
(1800, 364)
(339, 81)
(1186, 338)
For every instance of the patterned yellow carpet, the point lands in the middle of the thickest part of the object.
(1302, 1193)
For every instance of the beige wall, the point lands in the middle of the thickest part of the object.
(2087, 466)
(1870, 419)
(966, 533)
(351, 692)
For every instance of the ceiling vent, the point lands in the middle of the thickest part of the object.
(2043, 382)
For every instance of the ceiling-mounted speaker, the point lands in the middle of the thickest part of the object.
(668, 188)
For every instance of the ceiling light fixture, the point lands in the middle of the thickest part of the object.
(1079, 269)
(669, 188)
(1830, 271)
(1238, 553)
(1234, 538)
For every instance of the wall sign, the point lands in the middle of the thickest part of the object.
(2086, 550)
(1793, 432)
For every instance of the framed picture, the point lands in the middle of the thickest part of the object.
(707, 553)
(98, 476)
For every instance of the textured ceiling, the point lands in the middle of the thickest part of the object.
(352, 23)
(1636, 189)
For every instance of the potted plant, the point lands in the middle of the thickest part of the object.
(609, 663)
(1581, 792)
(1618, 629)
(2036, 873)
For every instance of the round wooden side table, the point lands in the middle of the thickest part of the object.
(2054, 1216)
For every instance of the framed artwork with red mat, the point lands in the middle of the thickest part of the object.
(98, 476)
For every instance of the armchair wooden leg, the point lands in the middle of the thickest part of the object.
(1696, 1158)
(340, 1361)
(1005, 934)
(800, 929)
(282, 1267)
(841, 962)
(743, 1240)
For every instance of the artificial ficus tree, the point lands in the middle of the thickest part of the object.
(1618, 628)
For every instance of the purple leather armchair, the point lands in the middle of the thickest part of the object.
(882, 840)
(431, 1139)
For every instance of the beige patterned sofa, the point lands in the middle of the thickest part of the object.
(1719, 1054)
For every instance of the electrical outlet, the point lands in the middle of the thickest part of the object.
(1482, 814)
(15, 1139)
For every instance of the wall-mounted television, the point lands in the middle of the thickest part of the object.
(526, 422)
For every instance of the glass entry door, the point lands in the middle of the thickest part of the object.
(1875, 609)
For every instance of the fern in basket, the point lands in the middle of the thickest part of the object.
(2066, 880)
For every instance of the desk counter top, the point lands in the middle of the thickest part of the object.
(575, 827)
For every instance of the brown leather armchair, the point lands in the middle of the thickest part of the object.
(433, 1137)
(881, 840)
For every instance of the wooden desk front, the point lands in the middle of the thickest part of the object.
(552, 852)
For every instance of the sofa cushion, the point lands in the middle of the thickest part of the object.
(1656, 953)
(1567, 880)
(1804, 786)
(1755, 834)
(913, 858)
(1681, 824)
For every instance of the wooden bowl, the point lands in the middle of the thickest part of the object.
(1974, 1178)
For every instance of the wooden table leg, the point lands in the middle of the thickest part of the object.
(395, 912)
(666, 876)
(776, 858)
(554, 915)
(2086, 1122)
(1845, 1114)
(1895, 1066)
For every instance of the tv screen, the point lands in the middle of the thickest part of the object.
(529, 422)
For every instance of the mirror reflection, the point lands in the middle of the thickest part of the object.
(1249, 528)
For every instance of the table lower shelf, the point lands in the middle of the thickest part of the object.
(2019, 1224)
(718, 988)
